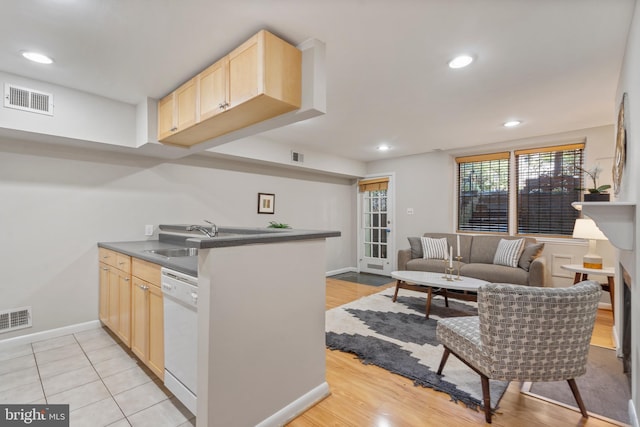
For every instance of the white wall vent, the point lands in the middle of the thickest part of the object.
(17, 318)
(297, 157)
(25, 99)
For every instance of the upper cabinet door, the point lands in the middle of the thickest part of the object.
(245, 70)
(166, 125)
(186, 105)
(213, 89)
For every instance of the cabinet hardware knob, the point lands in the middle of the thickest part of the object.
(173, 129)
(126, 279)
(105, 268)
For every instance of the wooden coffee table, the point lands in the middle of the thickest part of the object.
(435, 283)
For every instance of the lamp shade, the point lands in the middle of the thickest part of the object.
(586, 228)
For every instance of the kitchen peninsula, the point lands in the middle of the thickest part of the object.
(261, 307)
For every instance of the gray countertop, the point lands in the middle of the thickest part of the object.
(138, 249)
(237, 236)
(229, 236)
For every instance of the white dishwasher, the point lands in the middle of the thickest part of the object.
(180, 292)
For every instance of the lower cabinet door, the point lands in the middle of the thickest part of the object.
(156, 331)
(124, 308)
(140, 318)
(114, 300)
(103, 311)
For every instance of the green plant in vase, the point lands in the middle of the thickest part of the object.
(595, 192)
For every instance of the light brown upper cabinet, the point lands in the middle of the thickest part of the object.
(213, 89)
(260, 79)
(178, 110)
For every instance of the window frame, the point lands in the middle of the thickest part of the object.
(490, 157)
(513, 185)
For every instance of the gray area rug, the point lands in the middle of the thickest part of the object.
(398, 338)
(363, 278)
(604, 388)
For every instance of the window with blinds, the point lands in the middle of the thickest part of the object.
(483, 193)
(549, 180)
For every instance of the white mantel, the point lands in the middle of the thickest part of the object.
(615, 219)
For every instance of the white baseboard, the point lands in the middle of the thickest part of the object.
(616, 341)
(341, 270)
(51, 333)
(297, 407)
(633, 416)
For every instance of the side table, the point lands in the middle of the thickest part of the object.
(582, 273)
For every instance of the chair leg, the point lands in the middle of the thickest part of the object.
(576, 395)
(486, 397)
(445, 356)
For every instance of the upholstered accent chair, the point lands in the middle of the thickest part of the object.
(524, 333)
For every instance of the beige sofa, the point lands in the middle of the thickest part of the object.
(477, 254)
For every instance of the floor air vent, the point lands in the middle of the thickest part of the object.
(28, 100)
(18, 318)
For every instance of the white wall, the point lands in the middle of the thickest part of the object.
(426, 183)
(57, 202)
(77, 115)
(630, 190)
(423, 182)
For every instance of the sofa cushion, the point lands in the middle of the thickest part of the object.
(422, 264)
(434, 248)
(483, 248)
(508, 252)
(530, 252)
(416, 247)
(452, 240)
(495, 273)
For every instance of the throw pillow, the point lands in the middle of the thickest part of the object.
(416, 247)
(530, 253)
(434, 248)
(508, 252)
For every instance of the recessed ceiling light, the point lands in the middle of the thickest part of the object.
(460, 61)
(37, 57)
(511, 123)
(383, 147)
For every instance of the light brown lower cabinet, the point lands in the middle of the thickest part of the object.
(115, 293)
(147, 317)
(131, 305)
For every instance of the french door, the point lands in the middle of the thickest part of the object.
(375, 243)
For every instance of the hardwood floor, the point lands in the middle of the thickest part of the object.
(368, 396)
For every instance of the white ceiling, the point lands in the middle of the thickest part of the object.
(554, 64)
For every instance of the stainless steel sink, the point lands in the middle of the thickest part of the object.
(174, 252)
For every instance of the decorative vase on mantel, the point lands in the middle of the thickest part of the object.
(596, 197)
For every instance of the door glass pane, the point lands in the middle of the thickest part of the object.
(375, 224)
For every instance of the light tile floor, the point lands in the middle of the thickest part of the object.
(103, 383)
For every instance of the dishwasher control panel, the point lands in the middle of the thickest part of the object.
(180, 287)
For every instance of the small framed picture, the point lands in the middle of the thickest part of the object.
(266, 203)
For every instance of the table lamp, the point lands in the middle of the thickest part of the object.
(586, 228)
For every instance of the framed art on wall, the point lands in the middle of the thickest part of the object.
(266, 203)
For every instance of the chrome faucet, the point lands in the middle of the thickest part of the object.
(203, 230)
(214, 228)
